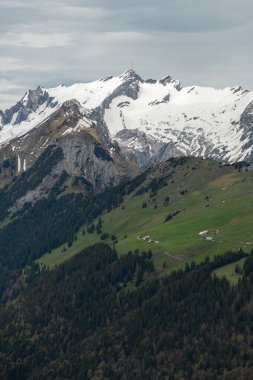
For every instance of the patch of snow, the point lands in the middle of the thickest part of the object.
(19, 164)
(67, 132)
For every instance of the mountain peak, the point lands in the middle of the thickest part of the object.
(169, 80)
(34, 98)
(130, 74)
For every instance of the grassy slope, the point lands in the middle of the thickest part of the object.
(228, 271)
(230, 198)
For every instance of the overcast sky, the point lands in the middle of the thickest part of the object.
(52, 42)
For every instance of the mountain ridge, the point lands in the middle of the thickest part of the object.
(136, 122)
(185, 117)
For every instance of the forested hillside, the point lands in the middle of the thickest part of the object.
(99, 316)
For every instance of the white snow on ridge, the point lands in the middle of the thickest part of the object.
(193, 117)
(10, 132)
(89, 95)
(192, 113)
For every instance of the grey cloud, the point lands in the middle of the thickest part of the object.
(176, 15)
(180, 16)
(64, 41)
(11, 64)
(35, 40)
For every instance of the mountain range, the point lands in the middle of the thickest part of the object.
(114, 128)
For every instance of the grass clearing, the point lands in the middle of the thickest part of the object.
(216, 198)
(228, 271)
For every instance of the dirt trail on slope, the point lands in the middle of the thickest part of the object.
(173, 257)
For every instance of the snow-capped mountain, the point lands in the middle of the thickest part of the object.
(134, 120)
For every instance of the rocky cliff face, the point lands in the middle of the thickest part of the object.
(140, 147)
(85, 165)
(89, 160)
(86, 156)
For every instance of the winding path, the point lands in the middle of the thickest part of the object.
(173, 257)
